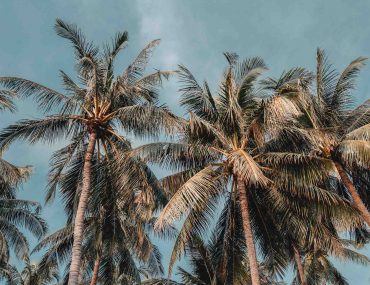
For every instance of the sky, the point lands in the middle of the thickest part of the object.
(195, 33)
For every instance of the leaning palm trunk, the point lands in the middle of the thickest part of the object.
(298, 261)
(244, 207)
(94, 278)
(79, 220)
(352, 190)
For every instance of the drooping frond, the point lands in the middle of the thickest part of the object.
(248, 169)
(195, 192)
(6, 100)
(59, 161)
(13, 175)
(45, 97)
(355, 152)
(196, 224)
(298, 170)
(177, 156)
(45, 130)
(147, 120)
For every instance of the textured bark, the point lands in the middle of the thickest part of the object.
(252, 256)
(79, 220)
(354, 194)
(94, 278)
(298, 261)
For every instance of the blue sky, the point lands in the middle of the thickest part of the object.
(193, 32)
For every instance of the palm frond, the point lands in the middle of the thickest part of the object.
(294, 169)
(148, 120)
(195, 98)
(346, 83)
(6, 100)
(45, 130)
(74, 35)
(195, 192)
(45, 97)
(136, 68)
(355, 152)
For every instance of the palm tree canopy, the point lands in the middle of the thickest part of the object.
(238, 134)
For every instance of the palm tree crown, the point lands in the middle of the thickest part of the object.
(93, 113)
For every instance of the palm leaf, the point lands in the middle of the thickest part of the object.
(195, 192)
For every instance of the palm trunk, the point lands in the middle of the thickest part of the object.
(352, 190)
(298, 261)
(252, 256)
(81, 275)
(94, 278)
(79, 220)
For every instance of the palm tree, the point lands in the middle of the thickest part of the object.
(238, 139)
(221, 144)
(94, 112)
(15, 214)
(215, 148)
(116, 242)
(335, 133)
(316, 213)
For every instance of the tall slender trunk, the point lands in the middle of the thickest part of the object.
(298, 261)
(352, 190)
(252, 256)
(79, 220)
(94, 278)
(81, 275)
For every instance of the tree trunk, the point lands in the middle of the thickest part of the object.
(298, 261)
(94, 278)
(352, 190)
(81, 276)
(79, 220)
(252, 256)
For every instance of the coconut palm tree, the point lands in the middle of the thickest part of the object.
(16, 215)
(93, 112)
(345, 130)
(335, 133)
(314, 221)
(116, 243)
(219, 129)
(222, 144)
